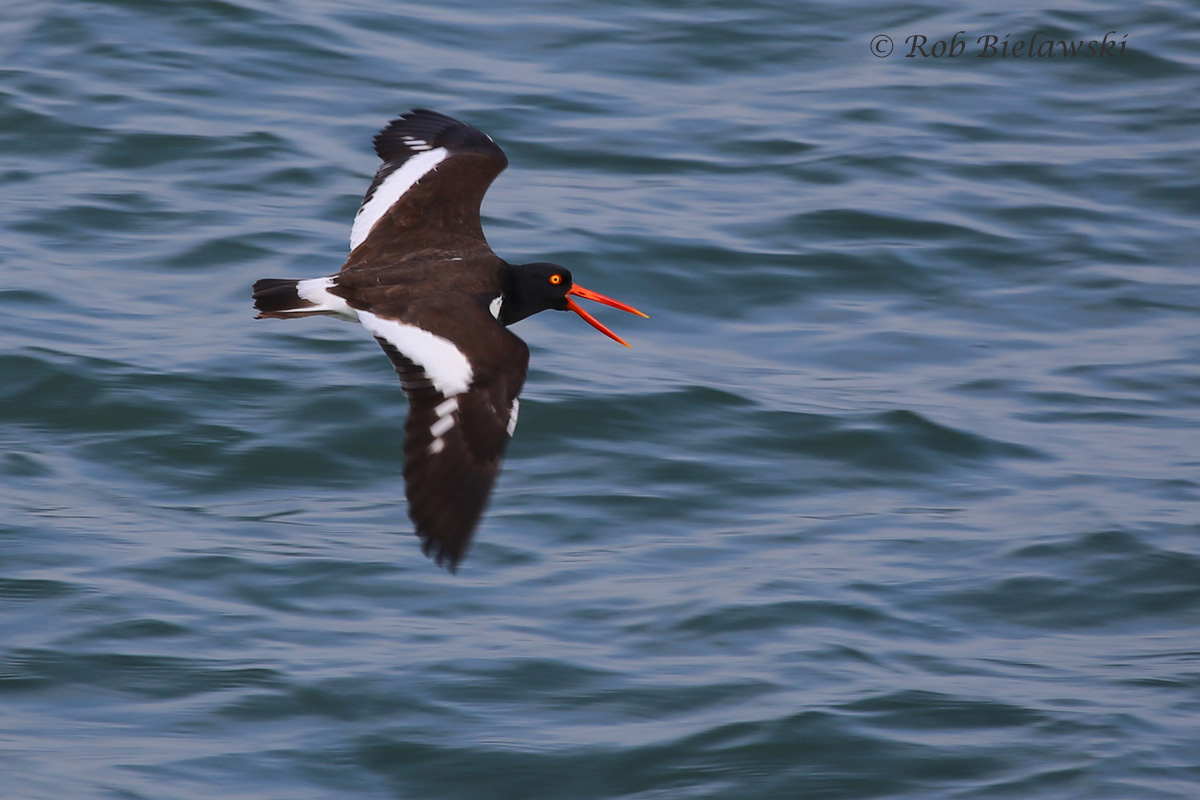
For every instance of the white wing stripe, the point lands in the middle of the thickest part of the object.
(392, 189)
(448, 369)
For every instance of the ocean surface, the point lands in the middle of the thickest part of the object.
(897, 494)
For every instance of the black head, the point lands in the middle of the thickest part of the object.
(542, 286)
(533, 288)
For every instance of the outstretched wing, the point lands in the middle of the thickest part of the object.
(462, 411)
(435, 173)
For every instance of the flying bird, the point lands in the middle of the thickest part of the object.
(423, 281)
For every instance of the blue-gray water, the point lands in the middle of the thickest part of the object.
(896, 496)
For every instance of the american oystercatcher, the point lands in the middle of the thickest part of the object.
(423, 281)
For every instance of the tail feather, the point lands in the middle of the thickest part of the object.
(284, 298)
(277, 297)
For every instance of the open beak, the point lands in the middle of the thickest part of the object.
(588, 294)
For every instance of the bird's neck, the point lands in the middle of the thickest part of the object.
(514, 305)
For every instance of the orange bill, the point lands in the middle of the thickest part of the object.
(588, 294)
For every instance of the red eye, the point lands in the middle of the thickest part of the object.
(556, 279)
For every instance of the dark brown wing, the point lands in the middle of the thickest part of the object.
(458, 424)
(428, 192)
